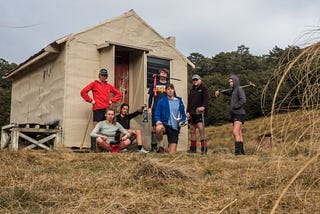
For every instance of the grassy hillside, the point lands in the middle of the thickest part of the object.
(261, 181)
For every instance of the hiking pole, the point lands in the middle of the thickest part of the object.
(204, 135)
(86, 130)
(250, 84)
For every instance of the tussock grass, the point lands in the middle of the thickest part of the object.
(65, 182)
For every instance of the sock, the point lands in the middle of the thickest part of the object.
(193, 143)
(203, 143)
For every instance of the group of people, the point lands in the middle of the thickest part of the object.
(167, 112)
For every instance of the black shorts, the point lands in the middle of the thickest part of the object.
(238, 117)
(195, 118)
(172, 134)
(99, 115)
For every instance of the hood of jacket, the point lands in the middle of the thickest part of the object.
(236, 82)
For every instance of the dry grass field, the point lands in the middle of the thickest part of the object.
(283, 178)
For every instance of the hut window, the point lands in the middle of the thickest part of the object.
(153, 66)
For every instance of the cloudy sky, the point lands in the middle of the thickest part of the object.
(204, 26)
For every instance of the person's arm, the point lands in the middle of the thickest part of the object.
(123, 130)
(84, 92)
(116, 94)
(95, 131)
(182, 111)
(157, 112)
(134, 114)
(205, 95)
(150, 100)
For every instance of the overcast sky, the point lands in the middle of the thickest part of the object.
(204, 26)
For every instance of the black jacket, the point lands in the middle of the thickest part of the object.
(198, 96)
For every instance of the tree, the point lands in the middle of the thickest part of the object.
(5, 92)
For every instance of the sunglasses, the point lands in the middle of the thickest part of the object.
(194, 79)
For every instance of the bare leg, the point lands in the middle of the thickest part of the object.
(124, 143)
(172, 148)
(103, 144)
(237, 133)
(159, 131)
(200, 129)
(193, 135)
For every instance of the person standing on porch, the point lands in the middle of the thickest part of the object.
(156, 92)
(101, 101)
(197, 110)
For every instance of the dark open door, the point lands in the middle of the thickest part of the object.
(122, 75)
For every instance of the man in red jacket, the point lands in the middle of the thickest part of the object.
(101, 91)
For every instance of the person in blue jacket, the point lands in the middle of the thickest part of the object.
(168, 116)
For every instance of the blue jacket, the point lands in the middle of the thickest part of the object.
(162, 112)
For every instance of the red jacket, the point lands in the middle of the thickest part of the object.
(101, 94)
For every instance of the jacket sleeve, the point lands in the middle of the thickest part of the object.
(182, 111)
(116, 94)
(205, 100)
(84, 92)
(158, 110)
(134, 114)
(188, 102)
(95, 131)
(150, 92)
(123, 130)
(228, 93)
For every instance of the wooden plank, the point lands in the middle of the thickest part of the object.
(5, 138)
(44, 140)
(15, 140)
(57, 141)
(9, 126)
(36, 130)
(31, 140)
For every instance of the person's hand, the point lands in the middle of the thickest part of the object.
(200, 109)
(124, 138)
(217, 93)
(141, 109)
(188, 116)
(149, 112)
(93, 102)
(104, 138)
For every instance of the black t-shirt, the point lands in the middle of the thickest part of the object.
(125, 121)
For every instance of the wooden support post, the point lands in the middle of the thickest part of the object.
(5, 138)
(15, 139)
(57, 140)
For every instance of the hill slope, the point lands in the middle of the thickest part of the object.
(66, 182)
